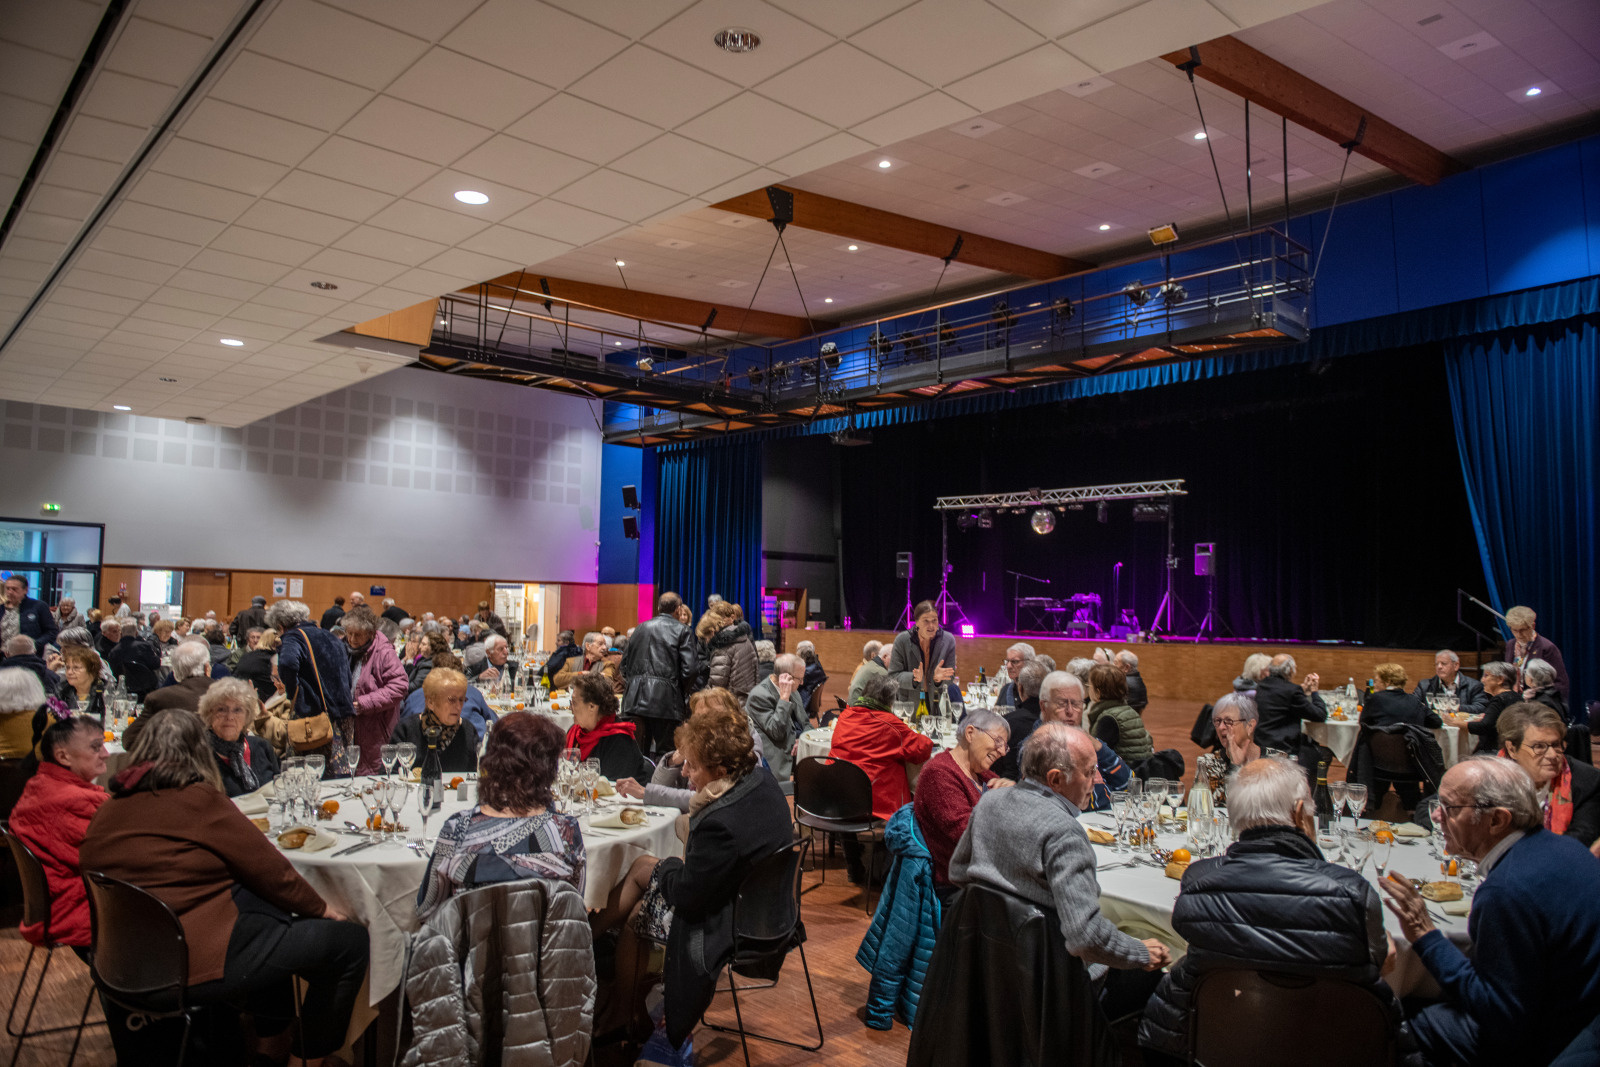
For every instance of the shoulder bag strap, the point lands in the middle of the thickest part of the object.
(315, 670)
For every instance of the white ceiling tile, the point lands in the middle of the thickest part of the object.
(386, 244)
(293, 320)
(1038, 71)
(286, 220)
(842, 17)
(61, 29)
(429, 223)
(35, 250)
(302, 299)
(36, 225)
(1053, 18)
(181, 194)
(522, 165)
(231, 265)
(427, 281)
(759, 178)
(301, 279)
(582, 129)
(414, 131)
(843, 86)
(470, 268)
(90, 299)
(625, 197)
(502, 242)
(1153, 27)
(428, 19)
(522, 35)
(160, 222)
(117, 285)
(365, 165)
(654, 87)
(352, 265)
(755, 128)
(200, 281)
(32, 74)
(316, 193)
(313, 35)
(681, 164)
(785, 40)
(157, 53)
(194, 320)
(183, 298)
(238, 129)
(145, 246)
(249, 330)
(112, 263)
(468, 89)
(565, 223)
(290, 92)
(934, 111)
(941, 41)
(260, 244)
(440, 191)
(627, 17)
(230, 170)
(81, 172)
(165, 330)
(832, 150)
(24, 120)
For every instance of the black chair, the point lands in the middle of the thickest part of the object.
(36, 911)
(140, 680)
(1241, 1017)
(139, 956)
(1392, 764)
(766, 925)
(835, 797)
(1580, 744)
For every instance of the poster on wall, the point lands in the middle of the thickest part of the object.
(297, 587)
(280, 587)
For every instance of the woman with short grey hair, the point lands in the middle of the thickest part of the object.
(1235, 718)
(21, 696)
(1539, 687)
(950, 785)
(1499, 682)
(286, 614)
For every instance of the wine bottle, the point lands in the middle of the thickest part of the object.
(982, 678)
(433, 770)
(1322, 797)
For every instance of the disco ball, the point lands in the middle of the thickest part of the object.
(1043, 521)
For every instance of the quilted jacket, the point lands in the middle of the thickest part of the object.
(503, 974)
(377, 696)
(900, 940)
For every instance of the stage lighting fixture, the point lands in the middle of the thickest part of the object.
(880, 345)
(1062, 311)
(1102, 511)
(1163, 235)
(1043, 521)
(1151, 512)
(645, 363)
(966, 520)
(1136, 293)
(1172, 294)
(830, 355)
(968, 630)
(985, 519)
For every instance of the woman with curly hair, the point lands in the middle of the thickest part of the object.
(513, 832)
(596, 733)
(738, 815)
(82, 689)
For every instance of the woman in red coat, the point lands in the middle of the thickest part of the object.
(52, 818)
(871, 736)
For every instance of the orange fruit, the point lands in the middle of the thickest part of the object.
(372, 822)
(1180, 855)
(455, 783)
(1385, 837)
(1454, 868)
(110, 736)
(330, 807)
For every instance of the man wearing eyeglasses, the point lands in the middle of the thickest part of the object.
(1018, 656)
(1023, 717)
(1533, 981)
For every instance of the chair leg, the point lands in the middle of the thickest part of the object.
(866, 883)
(183, 1046)
(49, 954)
(744, 1034)
(744, 1042)
(83, 1020)
(16, 997)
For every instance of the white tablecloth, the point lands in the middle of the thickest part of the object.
(1341, 738)
(819, 742)
(378, 886)
(1139, 900)
(562, 719)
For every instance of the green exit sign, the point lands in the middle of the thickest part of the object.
(50, 507)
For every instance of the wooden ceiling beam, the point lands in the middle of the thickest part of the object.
(1229, 63)
(870, 225)
(635, 304)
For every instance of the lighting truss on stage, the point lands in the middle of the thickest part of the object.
(1087, 494)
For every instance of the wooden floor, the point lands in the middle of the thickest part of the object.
(835, 924)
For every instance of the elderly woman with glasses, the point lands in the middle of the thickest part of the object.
(950, 786)
(245, 761)
(1569, 790)
(1234, 717)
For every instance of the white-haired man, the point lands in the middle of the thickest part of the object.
(1017, 656)
(191, 677)
(874, 664)
(1281, 704)
(1027, 842)
(1533, 981)
(1063, 698)
(496, 654)
(775, 708)
(1234, 910)
(1128, 664)
(1448, 681)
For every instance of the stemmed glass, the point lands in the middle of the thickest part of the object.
(352, 753)
(1435, 809)
(1156, 787)
(279, 801)
(390, 755)
(1152, 814)
(1174, 797)
(426, 795)
(1356, 797)
(310, 793)
(372, 803)
(317, 765)
(408, 756)
(1382, 849)
(591, 784)
(1121, 805)
(1358, 845)
(1340, 798)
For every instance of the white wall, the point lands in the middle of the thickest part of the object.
(413, 473)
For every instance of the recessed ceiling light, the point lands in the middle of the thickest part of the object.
(1200, 135)
(1532, 90)
(854, 248)
(1105, 226)
(827, 300)
(121, 407)
(472, 196)
(169, 381)
(621, 264)
(233, 342)
(737, 40)
(884, 164)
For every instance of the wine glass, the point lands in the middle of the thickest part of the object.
(1174, 797)
(317, 765)
(279, 800)
(408, 756)
(1135, 787)
(1382, 849)
(591, 783)
(1156, 787)
(352, 753)
(1356, 797)
(1340, 796)
(372, 805)
(426, 796)
(390, 755)
(1121, 805)
(1358, 847)
(1435, 811)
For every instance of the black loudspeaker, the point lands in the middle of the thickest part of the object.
(1205, 559)
(902, 566)
(630, 527)
(630, 497)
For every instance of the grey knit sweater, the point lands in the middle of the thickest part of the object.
(1026, 841)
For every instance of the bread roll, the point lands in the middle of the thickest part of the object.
(633, 816)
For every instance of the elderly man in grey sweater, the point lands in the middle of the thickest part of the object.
(777, 711)
(1027, 841)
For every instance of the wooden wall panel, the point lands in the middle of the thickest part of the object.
(617, 606)
(110, 580)
(1200, 673)
(453, 596)
(207, 590)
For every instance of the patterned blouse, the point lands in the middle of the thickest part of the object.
(476, 849)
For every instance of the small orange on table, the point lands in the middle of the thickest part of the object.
(455, 783)
(110, 736)
(1180, 855)
(1385, 837)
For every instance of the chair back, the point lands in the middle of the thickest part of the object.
(139, 957)
(35, 886)
(768, 905)
(1580, 744)
(1241, 1017)
(1391, 756)
(139, 678)
(832, 789)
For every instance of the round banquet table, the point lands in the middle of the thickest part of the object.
(377, 886)
(1139, 899)
(1340, 736)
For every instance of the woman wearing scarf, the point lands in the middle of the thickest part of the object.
(439, 726)
(246, 762)
(82, 688)
(596, 733)
(1569, 790)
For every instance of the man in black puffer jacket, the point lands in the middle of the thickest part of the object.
(658, 672)
(1236, 910)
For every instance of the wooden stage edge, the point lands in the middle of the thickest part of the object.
(1175, 670)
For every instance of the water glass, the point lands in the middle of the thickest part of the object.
(408, 756)
(1356, 795)
(278, 802)
(1121, 805)
(352, 753)
(1328, 841)
(1358, 845)
(1156, 787)
(1340, 798)
(427, 795)
(317, 765)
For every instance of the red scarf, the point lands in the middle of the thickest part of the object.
(1558, 813)
(585, 740)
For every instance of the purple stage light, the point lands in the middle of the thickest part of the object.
(968, 630)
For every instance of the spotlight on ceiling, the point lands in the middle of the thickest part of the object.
(1532, 90)
(884, 164)
(1043, 521)
(472, 196)
(1172, 294)
(620, 263)
(966, 520)
(645, 363)
(830, 355)
(1200, 135)
(1151, 512)
(121, 407)
(1136, 293)
(880, 343)
(1163, 235)
(985, 519)
(1102, 511)
(737, 40)
(232, 342)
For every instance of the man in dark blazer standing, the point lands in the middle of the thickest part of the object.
(21, 614)
(1282, 704)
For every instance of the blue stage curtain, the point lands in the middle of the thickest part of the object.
(708, 525)
(1526, 403)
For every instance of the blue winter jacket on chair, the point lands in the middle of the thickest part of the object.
(900, 940)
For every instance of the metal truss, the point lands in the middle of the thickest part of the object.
(1087, 494)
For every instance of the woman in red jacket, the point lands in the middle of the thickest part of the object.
(52, 818)
(871, 736)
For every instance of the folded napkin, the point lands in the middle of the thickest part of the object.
(1456, 907)
(252, 804)
(604, 788)
(319, 841)
(614, 821)
(1409, 829)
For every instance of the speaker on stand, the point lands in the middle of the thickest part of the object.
(1205, 566)
(903, 569)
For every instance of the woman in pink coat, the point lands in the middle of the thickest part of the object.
(377, 685)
